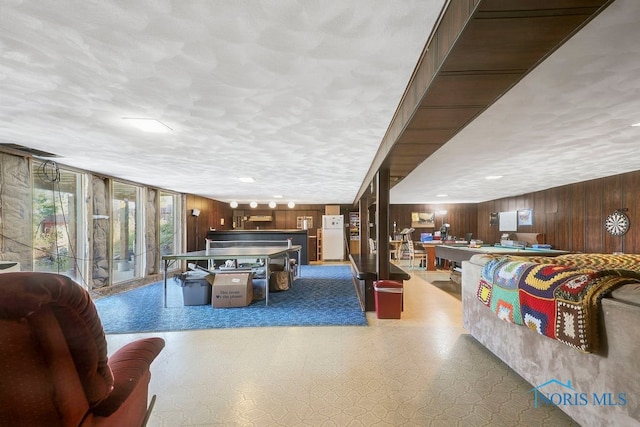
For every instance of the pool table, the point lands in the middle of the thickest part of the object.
(459, 253)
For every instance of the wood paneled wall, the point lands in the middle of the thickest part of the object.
(212, 211)
(462, 218)
(572, 217)
(286, 218)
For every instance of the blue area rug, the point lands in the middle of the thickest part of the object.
(322, 296)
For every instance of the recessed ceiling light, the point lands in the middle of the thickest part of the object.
(636, 124)
(246, 179)
(493, 177)
(277, 196)
(148, 125)
(441, 195)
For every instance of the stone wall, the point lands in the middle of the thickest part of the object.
(16, 211)
(151, 233)
(100, 232)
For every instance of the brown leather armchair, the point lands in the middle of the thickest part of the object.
(54, 369)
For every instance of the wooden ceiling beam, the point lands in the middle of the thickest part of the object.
(479, 50)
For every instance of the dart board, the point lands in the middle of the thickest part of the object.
(617, 223)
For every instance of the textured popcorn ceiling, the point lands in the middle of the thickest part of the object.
(298, 95)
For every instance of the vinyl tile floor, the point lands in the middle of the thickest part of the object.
(420, 370)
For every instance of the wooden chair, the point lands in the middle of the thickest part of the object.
(394, 250)
(420, 255)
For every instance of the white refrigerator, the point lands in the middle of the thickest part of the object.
(332, 238)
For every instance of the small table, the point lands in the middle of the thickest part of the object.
(430, 248)
(266, 253)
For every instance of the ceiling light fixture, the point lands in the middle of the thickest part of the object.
(277, 196)
(272, 205)
(291, 205)
(253, 204)
(148, 125)
(636, 124)
(233, 204)
(246, 179)
(441, 195)
(493, 177)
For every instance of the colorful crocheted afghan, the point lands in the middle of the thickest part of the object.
(556, 297)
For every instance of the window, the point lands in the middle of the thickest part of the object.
(126, 241)
(58, 232)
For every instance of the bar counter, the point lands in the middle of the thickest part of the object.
(298, 237)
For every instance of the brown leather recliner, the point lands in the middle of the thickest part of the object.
(54, 369)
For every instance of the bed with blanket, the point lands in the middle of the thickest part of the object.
(571, 319)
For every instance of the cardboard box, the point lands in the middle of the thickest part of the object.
(232, 290)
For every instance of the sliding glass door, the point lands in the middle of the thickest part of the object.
(126, 219)
(58, 210)
(170, 237)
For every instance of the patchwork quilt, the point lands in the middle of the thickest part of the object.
(556, 297)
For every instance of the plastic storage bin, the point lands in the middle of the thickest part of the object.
(196, 290)
(388, 298)
(426, 237)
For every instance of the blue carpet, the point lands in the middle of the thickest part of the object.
(322, 296)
